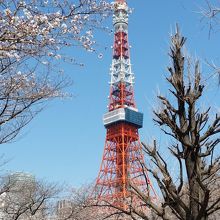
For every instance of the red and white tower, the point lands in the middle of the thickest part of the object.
(123, 158)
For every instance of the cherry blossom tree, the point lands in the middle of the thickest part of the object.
(33, 37)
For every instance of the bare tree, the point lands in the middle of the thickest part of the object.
(212, 11)
(25, 198)
(196, 136)
(33, 37)
(77, 206)
(193, 193)
(211, 14)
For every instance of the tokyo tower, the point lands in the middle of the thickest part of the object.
(122, 161)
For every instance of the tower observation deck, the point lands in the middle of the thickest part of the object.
(123, 159)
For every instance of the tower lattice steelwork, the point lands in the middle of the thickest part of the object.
(123, 158)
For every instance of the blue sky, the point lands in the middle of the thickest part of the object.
(65, 142)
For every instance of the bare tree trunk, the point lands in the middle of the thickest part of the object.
(194, 188)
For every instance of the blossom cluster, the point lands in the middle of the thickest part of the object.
(40, 28)
(33, 33)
